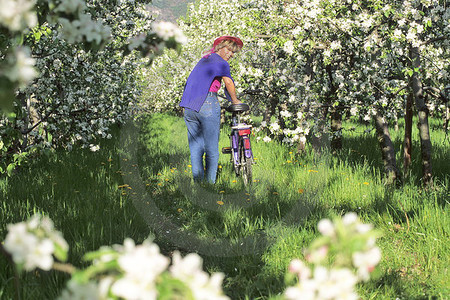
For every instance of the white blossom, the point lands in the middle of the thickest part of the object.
(40, 255)
(267, 139)
(189, 270)
(23, 70)
(32, 244)
(366, 261)
(289, 47)
(285, 114)
(94, 148)
(141, 266)
(167, 30)
(274, 126)
(17, 14)
(326, 227)
(349, 218)
(71, 6)
(335, 45)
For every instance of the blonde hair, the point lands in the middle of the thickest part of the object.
(231, 45)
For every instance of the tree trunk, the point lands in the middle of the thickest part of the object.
(319, 138)
(446, 118)
(282, 107)
(336, 129)
(407, 146)
(422, 111)
(387, 150)
(270, 109)
(336, 115)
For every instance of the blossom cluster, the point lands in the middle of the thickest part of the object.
(141, 269)
(351, 233)
(322, 283)
(189, 270)
(16, 15)
(127, 271)
(70, 95)
(21, 67)
(17, 65)
(84, 29)
(308, 56)
(342, 256)
(32, 244)
(168, 30)
(79, 25)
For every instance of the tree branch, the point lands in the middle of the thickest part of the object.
(66, 268)
(440, 38)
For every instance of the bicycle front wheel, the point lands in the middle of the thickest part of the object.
(245, 165)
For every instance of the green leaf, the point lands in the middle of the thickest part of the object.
(49, 137)
(90, 272)
(37, 35)
(60, 253)
(171, 288)
(10, 168)
(97, 254)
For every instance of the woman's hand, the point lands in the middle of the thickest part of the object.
(229, 85)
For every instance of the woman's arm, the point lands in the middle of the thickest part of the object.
(229, 85)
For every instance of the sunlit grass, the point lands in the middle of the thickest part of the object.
(255, 231)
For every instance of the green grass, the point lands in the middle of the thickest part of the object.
(139, 185)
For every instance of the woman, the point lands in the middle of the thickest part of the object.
(202, 108)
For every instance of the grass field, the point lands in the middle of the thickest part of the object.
(138, 185)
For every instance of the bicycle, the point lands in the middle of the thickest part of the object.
(240, 145)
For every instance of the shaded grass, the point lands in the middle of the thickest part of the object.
(79, 191)
(249, 233)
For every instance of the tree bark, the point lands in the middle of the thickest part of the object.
(336, 129)
(387, 150)
(336, 114)
(270, 110)
(422, 111)
(446, 118)
(407, 145)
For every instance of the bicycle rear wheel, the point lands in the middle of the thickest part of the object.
(245, 168)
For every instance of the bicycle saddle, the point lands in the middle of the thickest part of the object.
(238, 107)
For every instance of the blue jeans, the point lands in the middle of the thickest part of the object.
(203, 135)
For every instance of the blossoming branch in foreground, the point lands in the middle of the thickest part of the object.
(189, 270)
(32, 244)
(128, 271)
(21, 66)
(347, 246)
(17, 15)
(168, 30)
(131, 271)
(324, 284)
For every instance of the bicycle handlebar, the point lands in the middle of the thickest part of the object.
(245, 92)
